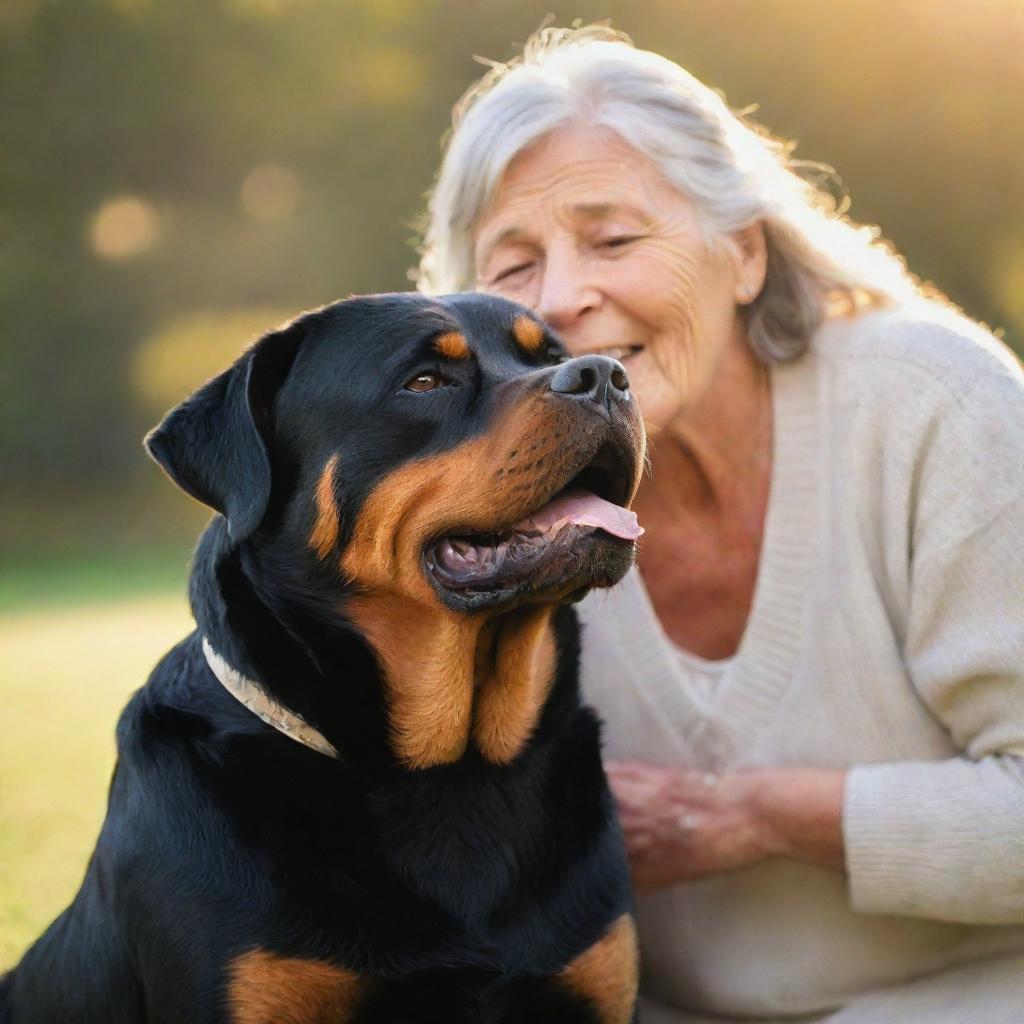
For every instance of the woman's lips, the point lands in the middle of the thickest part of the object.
(619, 352)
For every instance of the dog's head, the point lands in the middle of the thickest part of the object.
(446, 448)
(418, 459)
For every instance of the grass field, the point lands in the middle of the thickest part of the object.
(70, 654)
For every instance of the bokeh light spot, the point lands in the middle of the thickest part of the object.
(123, 228)
(179, 356)
(387, 76)
(270, 192)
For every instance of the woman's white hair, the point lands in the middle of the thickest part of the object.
(734, 172)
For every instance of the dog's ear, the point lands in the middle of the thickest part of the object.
(214, 445)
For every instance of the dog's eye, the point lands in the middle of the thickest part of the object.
(424, 382)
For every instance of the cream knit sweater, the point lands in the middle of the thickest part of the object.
(887, 635)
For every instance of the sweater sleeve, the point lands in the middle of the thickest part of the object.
(945, 839)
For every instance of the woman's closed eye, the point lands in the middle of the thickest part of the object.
(508, 272)
(618, 241)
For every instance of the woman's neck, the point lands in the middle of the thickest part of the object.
(704, 509)
(714, 459)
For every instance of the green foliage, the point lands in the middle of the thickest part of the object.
(59, 582)
(168, 161)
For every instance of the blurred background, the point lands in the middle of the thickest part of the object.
(177, 177)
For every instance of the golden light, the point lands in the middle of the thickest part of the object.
(1008, 273)
(270, 192)
(123, 228)
(190, 349)
(386, 76)
(262, 8)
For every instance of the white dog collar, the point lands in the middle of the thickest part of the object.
(249, 693)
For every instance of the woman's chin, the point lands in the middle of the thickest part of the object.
(658, 409)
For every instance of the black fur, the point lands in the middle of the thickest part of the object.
(466, 886)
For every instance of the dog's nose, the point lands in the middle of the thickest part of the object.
(597, 379)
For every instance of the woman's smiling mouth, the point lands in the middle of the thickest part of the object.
(619, 352)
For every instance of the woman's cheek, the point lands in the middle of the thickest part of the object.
(520, 291)
(658, 397)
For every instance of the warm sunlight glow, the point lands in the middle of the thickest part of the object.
(270, 192)
(178, 357)
(123, 228)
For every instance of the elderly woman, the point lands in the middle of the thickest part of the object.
(813, 683)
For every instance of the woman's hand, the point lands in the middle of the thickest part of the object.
(681, 825)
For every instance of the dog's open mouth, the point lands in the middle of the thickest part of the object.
(481, 563)
(550, 544)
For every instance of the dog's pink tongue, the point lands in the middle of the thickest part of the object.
(584, 509)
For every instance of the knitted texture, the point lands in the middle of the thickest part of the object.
(886, 636)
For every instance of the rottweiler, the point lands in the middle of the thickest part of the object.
(365, 789)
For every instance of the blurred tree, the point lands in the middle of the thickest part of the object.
(176, 164)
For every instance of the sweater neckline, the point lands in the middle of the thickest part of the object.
(721, 729)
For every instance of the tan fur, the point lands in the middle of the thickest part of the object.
(436, 662)
(325, 530)
(426, 659)
(265, 988)
(428, 652)
(607, 974)
(528, 333)
(511, 697)
(452, 345)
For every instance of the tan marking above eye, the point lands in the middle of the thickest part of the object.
(606, 975)
(528, 333)
(452, 345)
(325, 529)
(265, 988)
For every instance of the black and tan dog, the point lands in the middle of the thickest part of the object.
(365, 789)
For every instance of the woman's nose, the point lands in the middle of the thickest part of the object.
(565, 293)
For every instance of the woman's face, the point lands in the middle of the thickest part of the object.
(586, 232)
